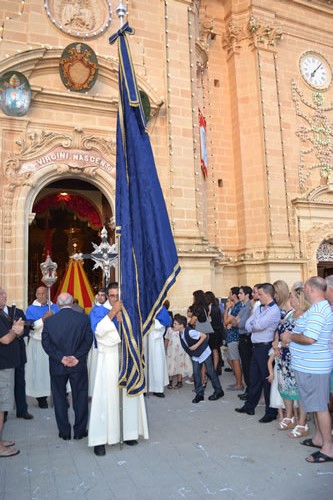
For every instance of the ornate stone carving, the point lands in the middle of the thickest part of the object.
(316, 133)
(234, 36)
(318, 233)
(68, 152)
(255, 32)
(264, 34)
(325, 251)
(79, 18)
(202, 43)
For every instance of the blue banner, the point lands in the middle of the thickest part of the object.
(148, 258)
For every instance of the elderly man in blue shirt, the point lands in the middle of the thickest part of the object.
(262, 325)
(311, 360)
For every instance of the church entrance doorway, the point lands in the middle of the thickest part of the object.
(69, 215)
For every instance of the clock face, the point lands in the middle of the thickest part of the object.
(315, 70)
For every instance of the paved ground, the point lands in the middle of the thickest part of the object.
(194, 452)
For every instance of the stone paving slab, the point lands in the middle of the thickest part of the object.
(194, 452)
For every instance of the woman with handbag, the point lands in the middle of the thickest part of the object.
(215, 338)
(201, 322)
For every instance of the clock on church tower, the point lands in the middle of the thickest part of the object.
(315, 70)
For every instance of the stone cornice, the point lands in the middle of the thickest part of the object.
(322, 5)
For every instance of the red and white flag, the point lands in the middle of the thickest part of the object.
(203, 144)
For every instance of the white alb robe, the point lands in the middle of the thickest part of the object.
(37, 374)
(104, 422)
(92, 367)
(156, 359)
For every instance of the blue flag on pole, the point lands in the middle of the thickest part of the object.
(148, 258)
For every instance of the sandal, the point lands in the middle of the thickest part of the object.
(9, 452)
(318, 458)
(179, 385)
(309, 442)
(170, 386)
(8, 444)
(299, 431)
(287, 423)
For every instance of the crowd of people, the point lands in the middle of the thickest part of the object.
(278, 344)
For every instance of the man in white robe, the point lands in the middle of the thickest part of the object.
(100, 299)
(37, 374)
(104, 423)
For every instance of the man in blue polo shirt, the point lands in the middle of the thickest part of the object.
(262, 325)
(311, 360)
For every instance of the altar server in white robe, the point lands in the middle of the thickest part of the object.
(100, 299)
(37, 374)
(155, 354)
(104, 423)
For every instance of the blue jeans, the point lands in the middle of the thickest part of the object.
(199, 389)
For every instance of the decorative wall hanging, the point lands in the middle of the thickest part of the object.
(15, 94)
(78, 67)
(315, 133)
(79, 18)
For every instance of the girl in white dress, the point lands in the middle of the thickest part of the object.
(179, 363)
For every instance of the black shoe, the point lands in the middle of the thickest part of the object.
(65, 437)
(216, 395)
(229, 370)
(243, 409)
(99, 450)
(266, 419)
(81, 436)
(159, 394)
(131, 442)
(42, 403)
(26, 416)
(243, 397)
(197, 399)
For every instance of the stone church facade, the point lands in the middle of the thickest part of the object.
(259, 71)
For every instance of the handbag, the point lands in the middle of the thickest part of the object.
(204, 326)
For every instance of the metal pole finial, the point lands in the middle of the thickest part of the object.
(121, 12)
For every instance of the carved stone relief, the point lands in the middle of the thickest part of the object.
(202, 43)
(79, 18)
(318, 233)
(256, 32)
(68, 153)
(325, 251)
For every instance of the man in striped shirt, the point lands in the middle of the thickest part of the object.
(311, 360)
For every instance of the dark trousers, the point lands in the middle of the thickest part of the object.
(199, 389)
(245, 352)
(258, 380)
(79, 386)
(19, 391)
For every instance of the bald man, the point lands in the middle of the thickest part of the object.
(67, 338)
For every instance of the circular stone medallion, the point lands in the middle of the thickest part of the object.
(79, 18)
(15, 93)
(78, 67)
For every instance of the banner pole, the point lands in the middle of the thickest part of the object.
(121, 12)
